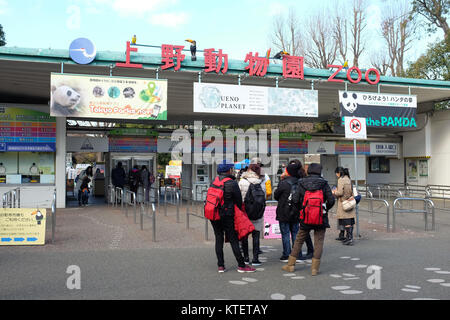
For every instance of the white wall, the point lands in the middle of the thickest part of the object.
(439, 164)
(348, 161)
(418, 143)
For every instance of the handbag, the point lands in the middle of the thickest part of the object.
(349, 204)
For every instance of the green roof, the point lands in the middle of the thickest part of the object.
(153, 61)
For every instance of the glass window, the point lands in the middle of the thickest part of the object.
(379, 165)
(27, 167)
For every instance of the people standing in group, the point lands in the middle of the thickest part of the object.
(316, 199)
(254, 204)
(225, 226)
(118, 176)
(83, 182)
(346, 219)
(288, 211)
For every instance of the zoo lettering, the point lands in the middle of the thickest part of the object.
(128, 64)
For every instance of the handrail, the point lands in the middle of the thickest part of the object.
(196, 214)
(386, 204)
(130, 200)
(427, 203)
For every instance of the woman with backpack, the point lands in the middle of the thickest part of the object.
(315, 198)
(254, 204)
(346, 218)
(288, 212)
(229, 202)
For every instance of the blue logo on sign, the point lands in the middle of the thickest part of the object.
(82, 51)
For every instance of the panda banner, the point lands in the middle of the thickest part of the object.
(380, 110)
(108, 97)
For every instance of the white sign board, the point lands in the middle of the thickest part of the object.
(87, 144)
(383, 149)
(321, 147)
(355, 128)
(173, 172)
(256, 100)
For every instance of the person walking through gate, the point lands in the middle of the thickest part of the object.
(145, 180)
(225, 226)
(254, 205)
(316, 199)
(346, 219)
(81, 181)
(288, 211)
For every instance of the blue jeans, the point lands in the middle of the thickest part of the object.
(289, 231)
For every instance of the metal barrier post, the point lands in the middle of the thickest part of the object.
(53, 215)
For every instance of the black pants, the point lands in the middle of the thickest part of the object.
(255, 237)
(222, 227)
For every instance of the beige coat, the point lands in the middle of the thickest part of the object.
(344, 192)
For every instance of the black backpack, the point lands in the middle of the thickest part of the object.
(255, 202)
(293, 209)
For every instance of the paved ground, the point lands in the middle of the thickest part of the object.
(119, 261)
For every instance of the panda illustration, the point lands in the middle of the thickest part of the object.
(266, 229)
(64, 101)
(349, 101)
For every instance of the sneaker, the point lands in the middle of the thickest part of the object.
(221, 269)
(246, 260)
(284, 258)
(256, 262)
(246, 269)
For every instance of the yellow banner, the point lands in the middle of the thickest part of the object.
(20, 226)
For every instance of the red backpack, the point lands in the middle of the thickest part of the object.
(214, 199)
(312, 212)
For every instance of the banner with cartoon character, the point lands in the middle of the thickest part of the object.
(255, 100)
(22, 226)
(379, 109)
(108, 97)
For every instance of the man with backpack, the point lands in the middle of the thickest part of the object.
(288, 211)
(316, 199)
(221, 199)
(254, 205)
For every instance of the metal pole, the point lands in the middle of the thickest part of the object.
(154, 222)
(356, 182)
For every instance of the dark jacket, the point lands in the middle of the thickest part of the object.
(312, 183)
(118, 177)
(281, 195)
(231, 195)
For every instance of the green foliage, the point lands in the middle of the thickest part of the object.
(434, 64)
(163, 159)
(2, 37)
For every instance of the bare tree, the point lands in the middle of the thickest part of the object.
(397, 31)
(358, 25)
(341, 36)
(380, 61)
(286, 33)
(321, 47)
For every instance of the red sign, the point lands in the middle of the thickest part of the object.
(128, 64)
(256, 65)
(168, 55)
(293, 67)
(358, 72)
(355, 125)
(213, 61)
